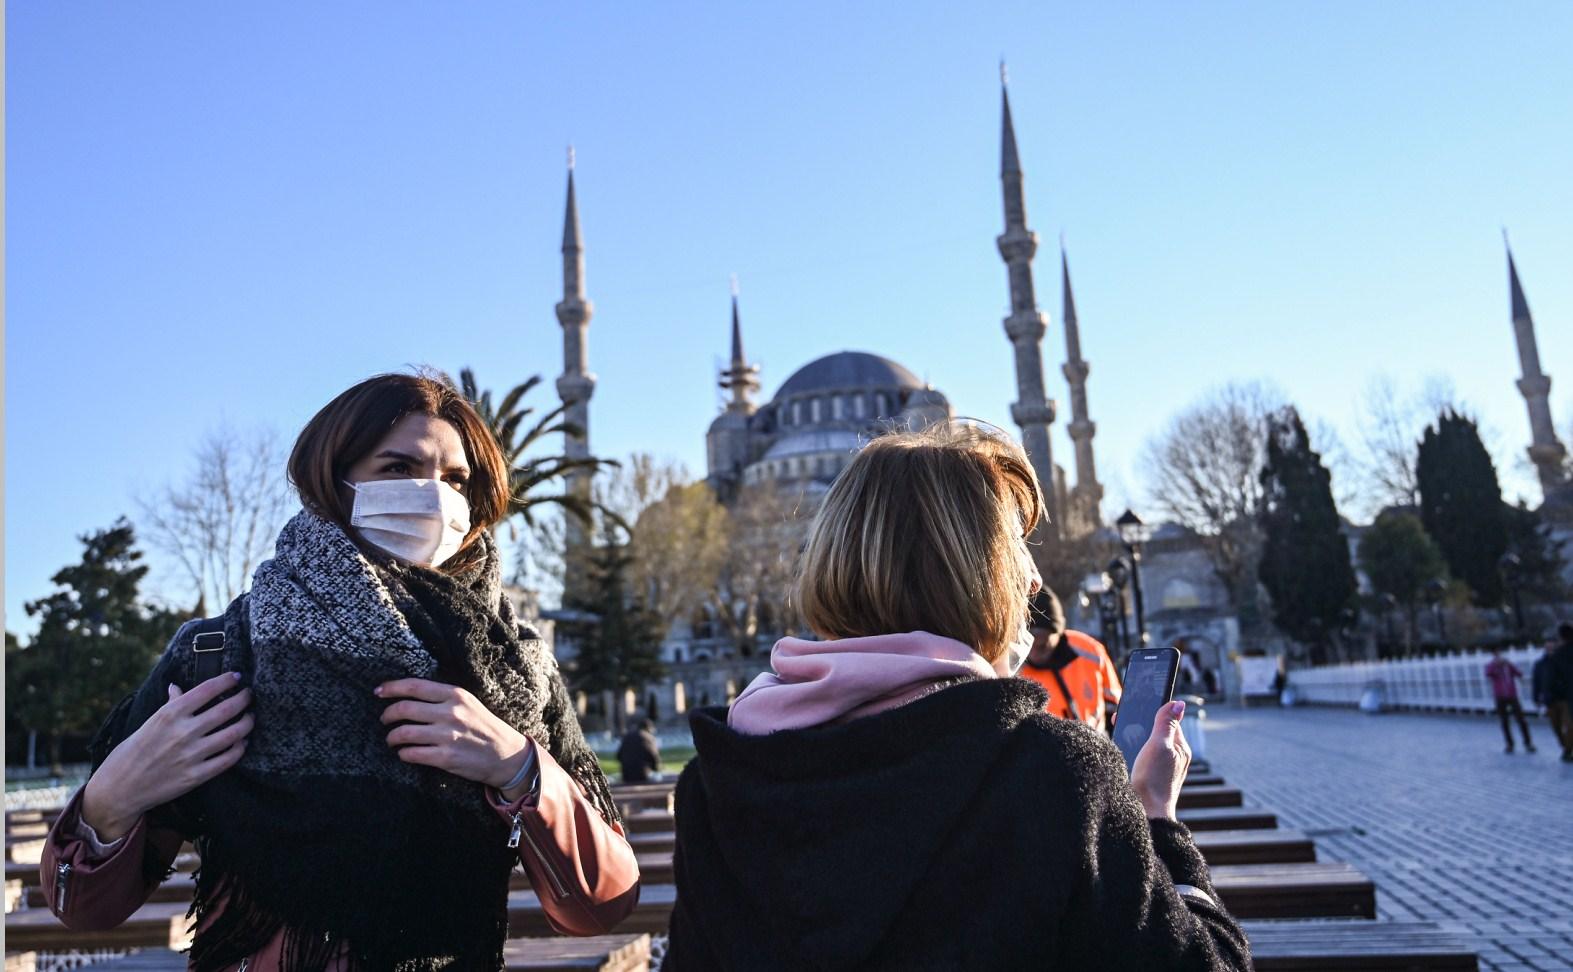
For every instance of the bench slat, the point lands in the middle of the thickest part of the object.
(1355, 946)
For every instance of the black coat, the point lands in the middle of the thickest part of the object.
(968, 829)
(639, 755)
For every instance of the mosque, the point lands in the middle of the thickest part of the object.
(808, 431)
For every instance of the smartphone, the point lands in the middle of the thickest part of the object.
(1149, 683)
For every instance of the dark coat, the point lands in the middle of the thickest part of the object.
(1559, 682)
(640, 755)
(968, 829)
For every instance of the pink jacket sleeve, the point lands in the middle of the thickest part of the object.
(580, 866)
(91, 893)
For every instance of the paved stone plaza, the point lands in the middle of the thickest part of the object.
(1449, 827)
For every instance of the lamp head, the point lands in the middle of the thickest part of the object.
(1131, 528)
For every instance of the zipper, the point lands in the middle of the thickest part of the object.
(559, 887)
(62, 878)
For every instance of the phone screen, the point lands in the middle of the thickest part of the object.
(1149, 683)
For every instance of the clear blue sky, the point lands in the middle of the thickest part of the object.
(222, 211)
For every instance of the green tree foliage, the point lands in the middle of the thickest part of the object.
(620, 649)
(1400, 559)
(1461, 503)
(519, 434)
(1304, 565)
(1541, 557)
(95, 641)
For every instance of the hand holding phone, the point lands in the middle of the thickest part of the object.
(1148, 685)
(1160, 768)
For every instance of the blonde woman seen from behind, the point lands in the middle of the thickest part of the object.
(889, 796)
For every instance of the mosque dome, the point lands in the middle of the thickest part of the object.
(848, 369)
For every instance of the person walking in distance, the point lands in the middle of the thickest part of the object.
(1540, 693)
(1504, 676)
(1559, 687)
(640, 753)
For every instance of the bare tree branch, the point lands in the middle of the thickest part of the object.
(219, 523)
(1203, 473)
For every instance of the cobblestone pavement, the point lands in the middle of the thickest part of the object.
(1450, 828)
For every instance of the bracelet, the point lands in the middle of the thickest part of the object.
(524, 771)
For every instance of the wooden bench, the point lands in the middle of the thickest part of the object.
(155, 925)
(20, 871)
(1355, 946)
(1225, 847)
(1323, 889)
(25, 851)
(1197, 819)
(26, 831)
(1228, 818)
(607, 953)
(1195, 798)
(650, 916)
(1311, 890)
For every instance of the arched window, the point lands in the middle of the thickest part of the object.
(837, 407)
(859, 406)
(881, 405)
(797, 413)
(813, 410)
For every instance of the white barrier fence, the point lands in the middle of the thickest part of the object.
(1452, 682)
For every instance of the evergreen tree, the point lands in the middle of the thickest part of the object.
(1541, 557)
(95, 641)
(1461, 504)
(1305, 565)
(621, 648)
(1400, 558)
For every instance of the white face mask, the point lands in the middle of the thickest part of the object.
(1015, 654)
(422, 521)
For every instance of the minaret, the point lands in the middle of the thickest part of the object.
(576, 384)
(728, 443)
(1026, 325)
(740, 377)
(1088, 493)
(1544, 450)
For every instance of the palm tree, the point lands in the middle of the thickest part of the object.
(517, 433)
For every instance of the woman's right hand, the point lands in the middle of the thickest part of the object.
(175, 751)
(1160, 767)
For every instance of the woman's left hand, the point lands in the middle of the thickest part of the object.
(449, 729)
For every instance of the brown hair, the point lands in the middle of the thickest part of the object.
(920, 533)
(350, 426)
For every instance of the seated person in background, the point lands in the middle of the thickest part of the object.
(889, 797)
(1074, 668)
(640, 753)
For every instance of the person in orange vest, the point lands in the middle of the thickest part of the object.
(1073, 667)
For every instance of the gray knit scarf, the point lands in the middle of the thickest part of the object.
(321, 830)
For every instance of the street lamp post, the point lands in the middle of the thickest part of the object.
(1133, 533)
(1119, 576)
(1513, 575)
(1434, 592)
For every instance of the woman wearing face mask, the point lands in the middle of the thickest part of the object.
(386, 742)
(890, 797)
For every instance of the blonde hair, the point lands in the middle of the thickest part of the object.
(920, 532)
